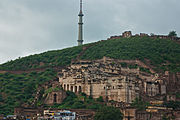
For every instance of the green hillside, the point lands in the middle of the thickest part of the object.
(50, 58)
(16, 89)
(164, 54)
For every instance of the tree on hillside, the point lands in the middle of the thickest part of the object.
(152, 34)
(139, 104)
(172, 34)
(108, 113)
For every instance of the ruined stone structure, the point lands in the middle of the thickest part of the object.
(171, 97)
(106, 78)
(100, 78)
(28, 112)
(127, 34)
(57, 95)
(155, 86)
(143, 34)
(118, 85)
(173, 81)
(158, 114)
(152, 88)
(129, 113)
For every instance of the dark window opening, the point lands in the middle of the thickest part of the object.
(80, 89)
(67, 87)
(75, 89)
(72, 88)
(55, 98)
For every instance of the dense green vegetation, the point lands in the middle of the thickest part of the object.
(46, 59)
(79, 102)
(178, 95)
(139, 104)
(173, 104)
(15, 90)
(108, 113)
(162, 53)
(52, 90)
(82, 101)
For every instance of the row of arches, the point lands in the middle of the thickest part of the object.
(76, 89)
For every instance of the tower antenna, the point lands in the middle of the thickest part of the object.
(81, 5)
(80, 31)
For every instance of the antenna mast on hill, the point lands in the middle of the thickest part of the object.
(80, 32)
(81, 5)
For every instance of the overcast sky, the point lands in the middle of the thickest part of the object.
(34, 26)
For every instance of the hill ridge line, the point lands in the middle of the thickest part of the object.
(56, 68)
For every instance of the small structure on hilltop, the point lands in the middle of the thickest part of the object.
(127, 34)
(143, 34)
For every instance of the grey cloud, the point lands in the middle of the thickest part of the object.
(33, 26)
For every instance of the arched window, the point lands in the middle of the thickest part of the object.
(64, 86)
(75, 89)
(80, 89)
(72, 88)
(55, 98)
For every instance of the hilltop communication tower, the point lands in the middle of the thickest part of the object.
(80, 33)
